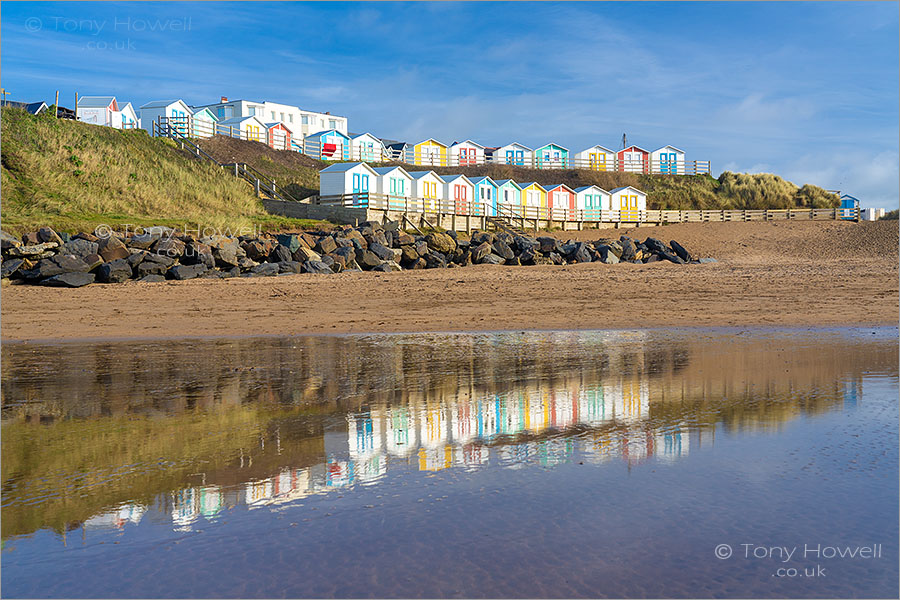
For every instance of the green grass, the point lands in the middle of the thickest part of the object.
(891, 215)
(74, 176)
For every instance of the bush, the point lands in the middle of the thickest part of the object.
(891, 215)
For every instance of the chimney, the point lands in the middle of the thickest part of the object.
(328, 113)
(224, 99)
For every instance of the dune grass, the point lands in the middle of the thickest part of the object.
(74, 176)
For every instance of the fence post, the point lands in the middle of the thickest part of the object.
(256, 187)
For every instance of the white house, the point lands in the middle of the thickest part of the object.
(125, 117)
(175, 112)
(464, 154)
(97, 110)
(596, 158)
(394, 182)
(348, 179)
(301, 122)
(514, 154)
(667, 159)
(592, 199)
(203, 123)
(429, 187)
(459, 192)
(629, 201)
(366, 146)
(246, 128)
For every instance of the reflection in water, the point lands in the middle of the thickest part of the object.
(108, 436)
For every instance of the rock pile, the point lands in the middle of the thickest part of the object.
(46, 257)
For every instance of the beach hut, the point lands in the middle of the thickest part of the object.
(551, 156)
(633, 160)
(245, 128)
(591, 200)
(430, 152)
(630, 202)
(428, 187)
(465, 154)
(398, 151)
(514, 154)
(485, 196)
(395, 183)
(561, 200)
(125, 117)
(330, 144)
(667, 160)
(460, 191)
(596, 158)
(849, 205)
(534, 198)
(175, 113)
(366, 146)
(278, 136)
(203, 123)
(97, 110)
(509, 194)
(354, 179)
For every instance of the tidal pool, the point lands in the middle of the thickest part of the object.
(663, 463)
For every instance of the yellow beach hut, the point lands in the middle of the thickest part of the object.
(534, 197)
(431, 153)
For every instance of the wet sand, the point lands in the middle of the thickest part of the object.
(785, 274)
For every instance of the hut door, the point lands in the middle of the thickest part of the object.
(597, 161)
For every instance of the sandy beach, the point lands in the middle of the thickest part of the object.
(783, 273)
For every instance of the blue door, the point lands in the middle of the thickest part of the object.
(668, 163)
(360, 186)
(520, 157)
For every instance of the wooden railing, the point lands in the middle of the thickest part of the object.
(369, 200)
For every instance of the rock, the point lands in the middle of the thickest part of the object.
(680, 252)
(328, 260)
(556, 258)
(171, 247)
(527, 256)
(581, 253)
(440, 242)
(7, 241)
(370, 260)
(435, 260)
(392, 226)
(480, 251)
(629, 251)
(655, 246)
(419, 264)
(617, 249)
(290, 266)
(549, 244)
(166, 261)
(10, 266)
(116, 271)
(381, 251)
(112, 248)
(542, 260)
(492, 259)
(182, 272)
(408, 253)
(71, 264)
(326, 245)
(46, 234)
(651, 259)
(305, 254)
(142, 241)
(289, 240)
(502, 249)
(153, 278)
(404, 239)
(317, 267)
(245, 264)
(704, 261)
(93, 261)
(671, 258)
(225, 256)
(343, 242)
(266, 269)
(136, 258)
(481, 237)
(384, 267)
(421, 247)
(607, 256)
(70, 280)
(522, 243)
(567, 249)
(256, 250)
(354, 235)
(281, 253)
(32, 250)
(150, 267)
(31, 238)
(398, 254)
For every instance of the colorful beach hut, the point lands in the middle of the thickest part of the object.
(428, 187)
(278, 136)
(633, 160)
(247, 128)
(561, 200)
(514, 154)
(667, 160)
(551, 156)
(366, 147)
(203, 123)
(430, 152)
(395, 183)
(534, 197)
(354, 179)
(596, 158)
(509, 193)
(175, 112)
(466, 154)
(591, 200)
(460, 191)
(330, 144)
(630, 202)
(485, 196)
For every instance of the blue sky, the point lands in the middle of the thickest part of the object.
(805, 90)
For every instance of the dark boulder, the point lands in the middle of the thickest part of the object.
(629, 251)
(404, 239)
(170, 246)
(326, 245)
(581, 253)
(435, 260)
(480, 251)
(69, 280)
(46, 234)
(142, 241)
(150, 267)
(116, 271)
(290, 266)
(502, 249)
(671, 258)
(409, 254)
(655, 246)
(523, 243)
(93, 261)
(317, 267)
(281, 253)
(152, 278)
(492, 259)
(266, 269)
(481, 237)
(440, 242)
(8, 241)
(556, 258)
(526, 257)
(182, 272)
(256, 250)
(381, 251)
(291, 241)
(680, 251)
(225, 256)
(10, 266)
(549, 244)
(607, 256)
(370, 260)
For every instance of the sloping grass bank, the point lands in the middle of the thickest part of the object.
(74, 176)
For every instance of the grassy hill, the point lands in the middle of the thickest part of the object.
(74, 176)
(730, 191)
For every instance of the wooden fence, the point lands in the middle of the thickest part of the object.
(590, 215)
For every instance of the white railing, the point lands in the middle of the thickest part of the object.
(514, 212)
